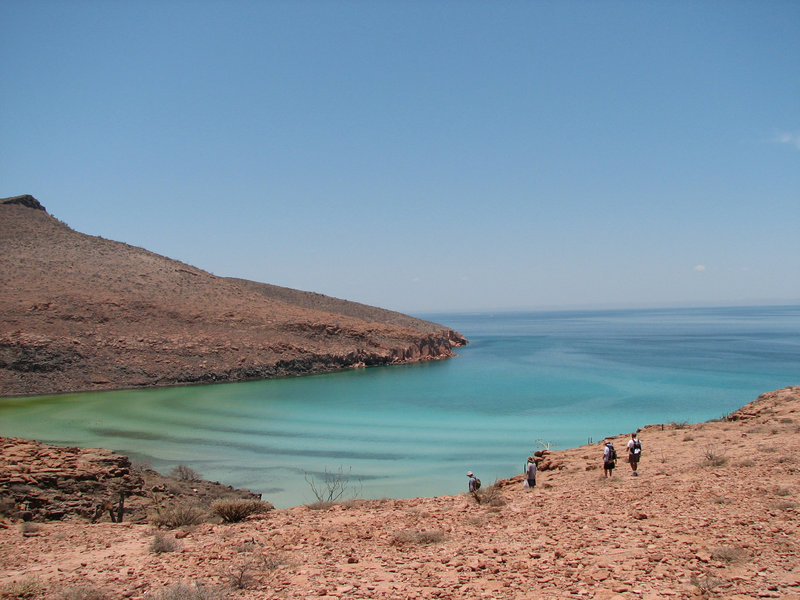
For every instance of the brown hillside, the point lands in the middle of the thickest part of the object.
(80, 312)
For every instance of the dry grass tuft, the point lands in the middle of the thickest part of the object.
(413, 536)
(164, 543)
(182, 591)
(729, 554)
(178, 515)
(27, 587)
(239, 509)
(82, 592)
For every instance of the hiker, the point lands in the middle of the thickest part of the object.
(634, 453)
(530, 473)
(473, 483)
(609, 459)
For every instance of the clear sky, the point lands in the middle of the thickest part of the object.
(422, 156)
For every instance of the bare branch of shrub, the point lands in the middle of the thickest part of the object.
(185, 473)
(333, 485)
(713, 458)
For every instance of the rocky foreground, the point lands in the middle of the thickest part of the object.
(713, 513)
(82, 313)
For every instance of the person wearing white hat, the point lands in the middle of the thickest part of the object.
(473, 482)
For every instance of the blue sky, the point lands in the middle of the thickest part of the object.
(422, 156)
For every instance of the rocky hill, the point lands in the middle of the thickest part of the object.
(712, 514)
(80, 312)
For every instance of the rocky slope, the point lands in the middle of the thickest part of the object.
(80, 312)
(713, 513)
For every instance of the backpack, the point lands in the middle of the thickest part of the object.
(612, 454)
(637, 446)
(477, 483)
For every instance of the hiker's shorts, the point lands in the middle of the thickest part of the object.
(634, 458)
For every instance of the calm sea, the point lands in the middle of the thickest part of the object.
(559, 378)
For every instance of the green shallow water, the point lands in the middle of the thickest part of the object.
(561, 377)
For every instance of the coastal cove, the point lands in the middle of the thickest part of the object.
(563, 377)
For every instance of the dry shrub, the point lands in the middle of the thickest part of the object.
(747, 462)
(679, 424)
(273, 561)
(182, 591)
(705, 583)
(240, 575)
(413, 536)
(178, 515)
(238, 509)
(82, 592)
(185, 473)
(782, 491)
(320, 505)
(28, 527)
(728, 554)
(713, 458)
(783, 505)
(163, 543)
(27, 587)
(721, 500)
(492, 496)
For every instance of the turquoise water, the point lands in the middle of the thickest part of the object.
(559, 377)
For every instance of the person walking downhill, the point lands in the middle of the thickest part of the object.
(634, 453)
(609, 459)
(530, 473)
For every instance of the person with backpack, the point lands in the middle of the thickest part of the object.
(474, 483)
(530, 473)
(609, 459)
(634, 453)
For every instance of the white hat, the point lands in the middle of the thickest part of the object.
(469, 474)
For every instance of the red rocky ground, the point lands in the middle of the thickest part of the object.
(713, 513)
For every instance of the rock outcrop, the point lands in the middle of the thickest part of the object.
(83, 313)
(42, 482)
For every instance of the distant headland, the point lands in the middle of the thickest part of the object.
(82, 313)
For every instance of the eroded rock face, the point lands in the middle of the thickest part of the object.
(81, 313)
(43, 482)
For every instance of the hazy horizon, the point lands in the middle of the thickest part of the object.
(423, 157)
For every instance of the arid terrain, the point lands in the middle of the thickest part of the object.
(713, 513)
(80, 313)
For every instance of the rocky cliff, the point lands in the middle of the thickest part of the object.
(80, 312)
